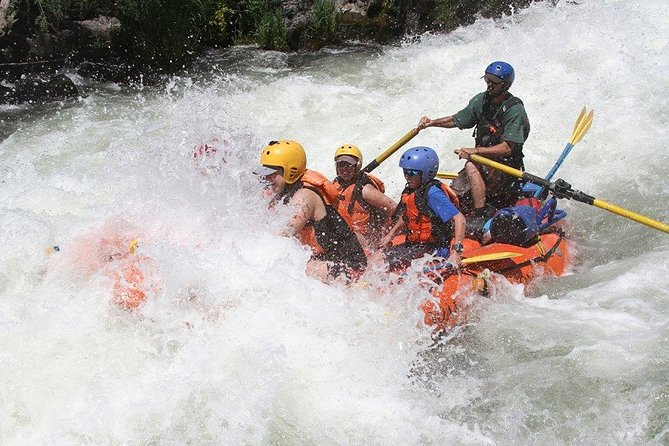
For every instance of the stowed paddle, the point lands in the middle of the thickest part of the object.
(581, 127)
(562, 189)
(392, 149)
(490, 257)
(476, 259)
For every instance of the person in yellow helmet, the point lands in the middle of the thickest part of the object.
(361, 200)
(336, 249)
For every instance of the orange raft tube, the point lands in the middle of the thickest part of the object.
(549, 256)
(135, 276)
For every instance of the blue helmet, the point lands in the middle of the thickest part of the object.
(502, 70)
(421, 158)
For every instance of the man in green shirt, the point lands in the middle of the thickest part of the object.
(502, 127)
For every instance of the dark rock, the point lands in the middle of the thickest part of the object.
(6, 94)
(107, 72)
(60, 44)
(374, 9)
(13, 47)
(379, 29)
(102, 28)
(58, 87)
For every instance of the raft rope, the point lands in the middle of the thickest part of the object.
(36, 62)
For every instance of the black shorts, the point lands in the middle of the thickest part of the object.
(401, 256)
(501, 190)
(351, 268)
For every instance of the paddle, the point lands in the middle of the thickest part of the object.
(447, 175)
(581, 127)
(562, 189)
(392, 149)
(476, 259)
(375, 163)
(490, 257)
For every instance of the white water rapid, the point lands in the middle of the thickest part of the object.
(236, 346)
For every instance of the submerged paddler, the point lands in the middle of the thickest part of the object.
(427, 213)
(502, 127)
(336, 249)
(361, 200)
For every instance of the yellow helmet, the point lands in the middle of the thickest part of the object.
(287, 154)
(350, 150)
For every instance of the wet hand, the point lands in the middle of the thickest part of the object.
(455, 259)
(384, 242)
(424, 123)
(463, 154)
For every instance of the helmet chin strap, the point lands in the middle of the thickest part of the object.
(490, 96)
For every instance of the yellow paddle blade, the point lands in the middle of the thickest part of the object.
(447, 175)
(582, 127)
(579, 121)
(491, 257)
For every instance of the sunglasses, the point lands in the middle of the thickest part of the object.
(492, 81)
(412, 172)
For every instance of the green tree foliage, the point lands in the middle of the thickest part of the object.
(325, 26)
(250, 15)
(449, 14)
(271, 33)
(164, 33)
(394, 7)
(167, 34)
(495, 8)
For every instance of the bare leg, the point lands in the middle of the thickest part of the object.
(476, 184)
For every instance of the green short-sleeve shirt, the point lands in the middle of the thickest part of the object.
(514, 121)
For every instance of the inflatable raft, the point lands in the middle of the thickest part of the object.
(549, 255)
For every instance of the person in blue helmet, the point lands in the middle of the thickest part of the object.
(502, 127)
(521, 224)
(427, 213)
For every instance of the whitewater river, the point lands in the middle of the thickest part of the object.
(236, 346)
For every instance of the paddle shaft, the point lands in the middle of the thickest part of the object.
(557, 164)
(447, 175)
(392, 149)
(357, 191)
(476, 259)
(562, 189)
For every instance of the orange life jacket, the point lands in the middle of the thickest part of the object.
(354, 209)
(422, 224)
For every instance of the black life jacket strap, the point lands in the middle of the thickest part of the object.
(421, 198)
(491, 120)
(357, 193)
